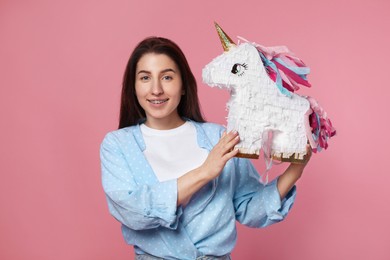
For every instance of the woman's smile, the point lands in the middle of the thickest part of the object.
(157, 101)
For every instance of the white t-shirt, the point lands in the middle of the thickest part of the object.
(173, 152)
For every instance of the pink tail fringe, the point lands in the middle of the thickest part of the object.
(321, 126)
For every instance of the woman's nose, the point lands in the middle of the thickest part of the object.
(157, 88)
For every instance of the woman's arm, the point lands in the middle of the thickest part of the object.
(287, 180)
(138, 206)
(192, 181)
(149, 206)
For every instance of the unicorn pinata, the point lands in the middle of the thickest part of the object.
(263, 107)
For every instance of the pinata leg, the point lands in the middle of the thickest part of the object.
(294, 158)
(247, 153)
(282, 147)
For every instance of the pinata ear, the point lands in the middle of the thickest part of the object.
(226, 41)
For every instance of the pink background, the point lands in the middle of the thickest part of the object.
(61, 66)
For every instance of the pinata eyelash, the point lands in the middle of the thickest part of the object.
(239, 68)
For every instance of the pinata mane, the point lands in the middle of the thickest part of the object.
(283, 67)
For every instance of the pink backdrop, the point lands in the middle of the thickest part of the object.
(61, 65)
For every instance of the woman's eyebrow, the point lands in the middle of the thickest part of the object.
(163, 71)
(168, 70)
(143, 71)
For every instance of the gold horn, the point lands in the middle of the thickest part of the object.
(225, 39)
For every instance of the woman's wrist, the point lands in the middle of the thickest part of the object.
(288, 179)
(296, 169)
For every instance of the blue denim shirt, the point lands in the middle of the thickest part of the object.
(151, 220)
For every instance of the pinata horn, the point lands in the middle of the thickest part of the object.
(225, 39)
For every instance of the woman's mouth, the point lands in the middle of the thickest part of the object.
(157, 101)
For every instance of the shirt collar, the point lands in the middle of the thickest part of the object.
(203, 140)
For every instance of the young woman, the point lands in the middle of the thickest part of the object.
(172, 179)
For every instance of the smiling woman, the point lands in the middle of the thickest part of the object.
(173, 180)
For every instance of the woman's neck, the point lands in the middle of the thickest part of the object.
(164, 124)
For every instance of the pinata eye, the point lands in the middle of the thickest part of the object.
(239, 68)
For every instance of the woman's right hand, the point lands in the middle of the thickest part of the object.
(192, 181)
(220, 154)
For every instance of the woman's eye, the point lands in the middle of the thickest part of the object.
(167, 78)
(143, 78)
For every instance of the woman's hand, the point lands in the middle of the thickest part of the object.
(220, 154)
(192, 181)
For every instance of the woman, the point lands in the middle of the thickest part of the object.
(172, 179)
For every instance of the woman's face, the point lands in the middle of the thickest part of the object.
(158, 88)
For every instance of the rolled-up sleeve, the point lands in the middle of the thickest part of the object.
(256, 204)
(138, 206)
(277, 209)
